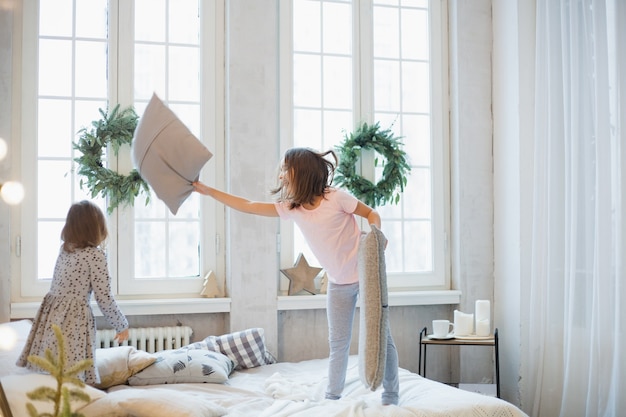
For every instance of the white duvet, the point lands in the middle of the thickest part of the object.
(295, 390)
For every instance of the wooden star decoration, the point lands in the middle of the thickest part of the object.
(301, 276)
(324, 284)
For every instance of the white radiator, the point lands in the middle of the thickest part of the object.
(149, 339)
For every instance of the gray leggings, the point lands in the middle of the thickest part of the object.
(341, 304)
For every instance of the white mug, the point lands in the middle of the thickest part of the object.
(441, 328)
(463, 323)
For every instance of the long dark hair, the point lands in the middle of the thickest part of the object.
(310, 175)
(85, 226)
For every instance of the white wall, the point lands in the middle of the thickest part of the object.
(252, 159)
(6, 62)
(472, 163)
(513, 111)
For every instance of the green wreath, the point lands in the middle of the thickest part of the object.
(395, 168)
(115, 129)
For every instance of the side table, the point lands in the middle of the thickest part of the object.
(491, 341)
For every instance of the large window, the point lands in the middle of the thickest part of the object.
(376, 61)
(82, 56)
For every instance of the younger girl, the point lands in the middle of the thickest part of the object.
(81, 269)
(325, 216)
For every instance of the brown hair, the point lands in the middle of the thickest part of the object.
(310, 175)
(85, 226)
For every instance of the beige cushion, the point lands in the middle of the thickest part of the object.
(155, 402)
(374, 308)
(16, 387)
(116, 364)
(167, 155)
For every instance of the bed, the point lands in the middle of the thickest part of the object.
(261, 390)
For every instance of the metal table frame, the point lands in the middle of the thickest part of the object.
(492, 341)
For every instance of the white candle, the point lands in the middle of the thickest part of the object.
(483, 310)
(483, 318)
(463, 323)
(483, 328)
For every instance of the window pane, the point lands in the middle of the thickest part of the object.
(55, 67)
(416, 130)
(307, 126)
(418, 250)
(91, 69)
(150, 249)
(91, 18)
(183, 261)
(55, 128)
(55, 17)
(415, 87)
(337, 28)
(335, 125)
(54, 188)
(150, 20)
(184, 22)
(387, 86)
(149, 71)
(184, 74)
(154, 210)
(306, 18)
(394, 256)
(415, 34)
(387, 2)
(414, 3)
(48, 245)
(416, 196)
(386, 41)
(307, 81)
(338, 83)
(86, 111)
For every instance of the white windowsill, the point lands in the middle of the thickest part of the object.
(146, 307)
(27, 310)
(395, 298)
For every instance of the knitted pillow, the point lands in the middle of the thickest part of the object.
(373, 310)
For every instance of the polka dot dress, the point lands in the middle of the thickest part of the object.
(76, 276)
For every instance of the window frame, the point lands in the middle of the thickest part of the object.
(439, 279)
(212, 224)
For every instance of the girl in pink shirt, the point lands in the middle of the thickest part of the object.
(325, 216)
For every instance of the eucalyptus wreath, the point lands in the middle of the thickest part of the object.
(395, 165)
(115, 129)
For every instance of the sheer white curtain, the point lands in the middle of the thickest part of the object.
(576, 335)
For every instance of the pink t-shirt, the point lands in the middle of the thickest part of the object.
(331, 232)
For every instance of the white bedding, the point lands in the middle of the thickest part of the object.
(276, 390)
(297, 390)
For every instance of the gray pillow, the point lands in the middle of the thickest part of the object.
(373, 310)
(167, 155)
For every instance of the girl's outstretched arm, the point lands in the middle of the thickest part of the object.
(367, 212)
(235, 202)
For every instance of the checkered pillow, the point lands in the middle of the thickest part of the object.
(245, 348)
